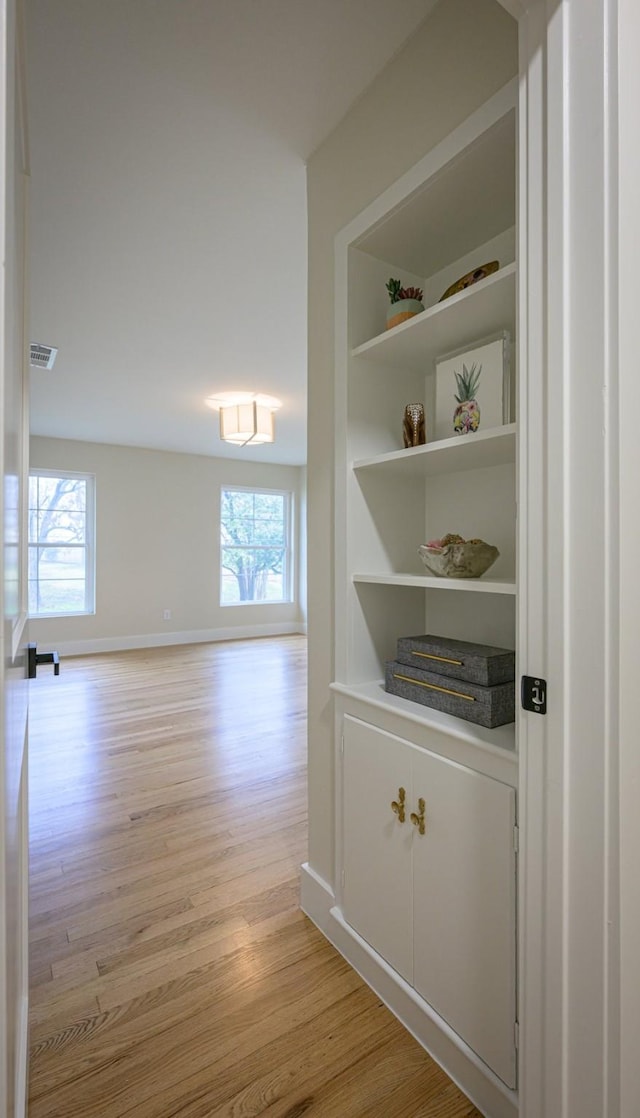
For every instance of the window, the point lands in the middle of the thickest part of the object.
(255, 538)
(61, 531)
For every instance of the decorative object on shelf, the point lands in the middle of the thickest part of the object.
(470, 681)
(413, 426)
(486, 706)
(454, 557)
(471, 277)
(473, 388)
(466, 416)
(485, 664)
(410, 300)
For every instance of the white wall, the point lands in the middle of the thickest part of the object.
(460, 56)
(158, 547)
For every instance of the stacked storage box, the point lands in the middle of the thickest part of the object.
(472, 681)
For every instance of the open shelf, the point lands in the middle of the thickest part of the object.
(466, 197)
(479, 311)
(431, 582)
(501, 739)
(495, 447)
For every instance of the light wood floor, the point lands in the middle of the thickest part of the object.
(172, 970)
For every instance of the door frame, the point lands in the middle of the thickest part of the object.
(569, 556)
(14, 455)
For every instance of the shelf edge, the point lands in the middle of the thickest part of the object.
(462, 733)
(426, 582)
(438, 446)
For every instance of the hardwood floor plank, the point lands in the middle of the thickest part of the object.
(231, 860)
(199, 1043)
(172, 971)
(107, 1037)
(301, 1059)
(370, 1082)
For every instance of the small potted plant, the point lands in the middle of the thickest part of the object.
(405, 302)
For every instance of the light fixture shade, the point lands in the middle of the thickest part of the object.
(246, 423)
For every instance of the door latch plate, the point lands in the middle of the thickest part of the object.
(533, 692)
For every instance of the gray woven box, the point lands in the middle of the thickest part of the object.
(487, 706)
(476, 663)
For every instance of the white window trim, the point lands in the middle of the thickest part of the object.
(289, 554)
(89, 546)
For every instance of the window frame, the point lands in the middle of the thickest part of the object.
(89, 546)
(288, 549)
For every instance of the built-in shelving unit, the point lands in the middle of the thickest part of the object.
(389, 499)
(453, 213)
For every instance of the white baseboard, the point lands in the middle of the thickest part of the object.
(317, 899)
(460, 1063)
(188, 636)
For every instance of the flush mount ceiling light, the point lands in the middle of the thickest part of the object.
(246, 423)
(245, 418)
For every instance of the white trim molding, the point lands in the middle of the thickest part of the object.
(569, 980)
(628, 232)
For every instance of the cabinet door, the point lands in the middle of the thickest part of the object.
(376, 894)
(465, 907)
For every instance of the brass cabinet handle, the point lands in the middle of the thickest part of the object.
(418, 820)
(397, 806)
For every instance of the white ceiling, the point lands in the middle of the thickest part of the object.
(168, 204)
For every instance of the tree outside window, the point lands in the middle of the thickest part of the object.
(255, 546)
(60, 543)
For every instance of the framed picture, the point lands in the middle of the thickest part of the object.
(473, 388)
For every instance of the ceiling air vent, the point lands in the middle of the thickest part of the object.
(42, 356)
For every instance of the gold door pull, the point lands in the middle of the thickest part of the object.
(418, 820)
(397, 806)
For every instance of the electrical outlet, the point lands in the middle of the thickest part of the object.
(166, 615)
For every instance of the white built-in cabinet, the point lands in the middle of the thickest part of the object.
(429, 882)
(438, 909)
